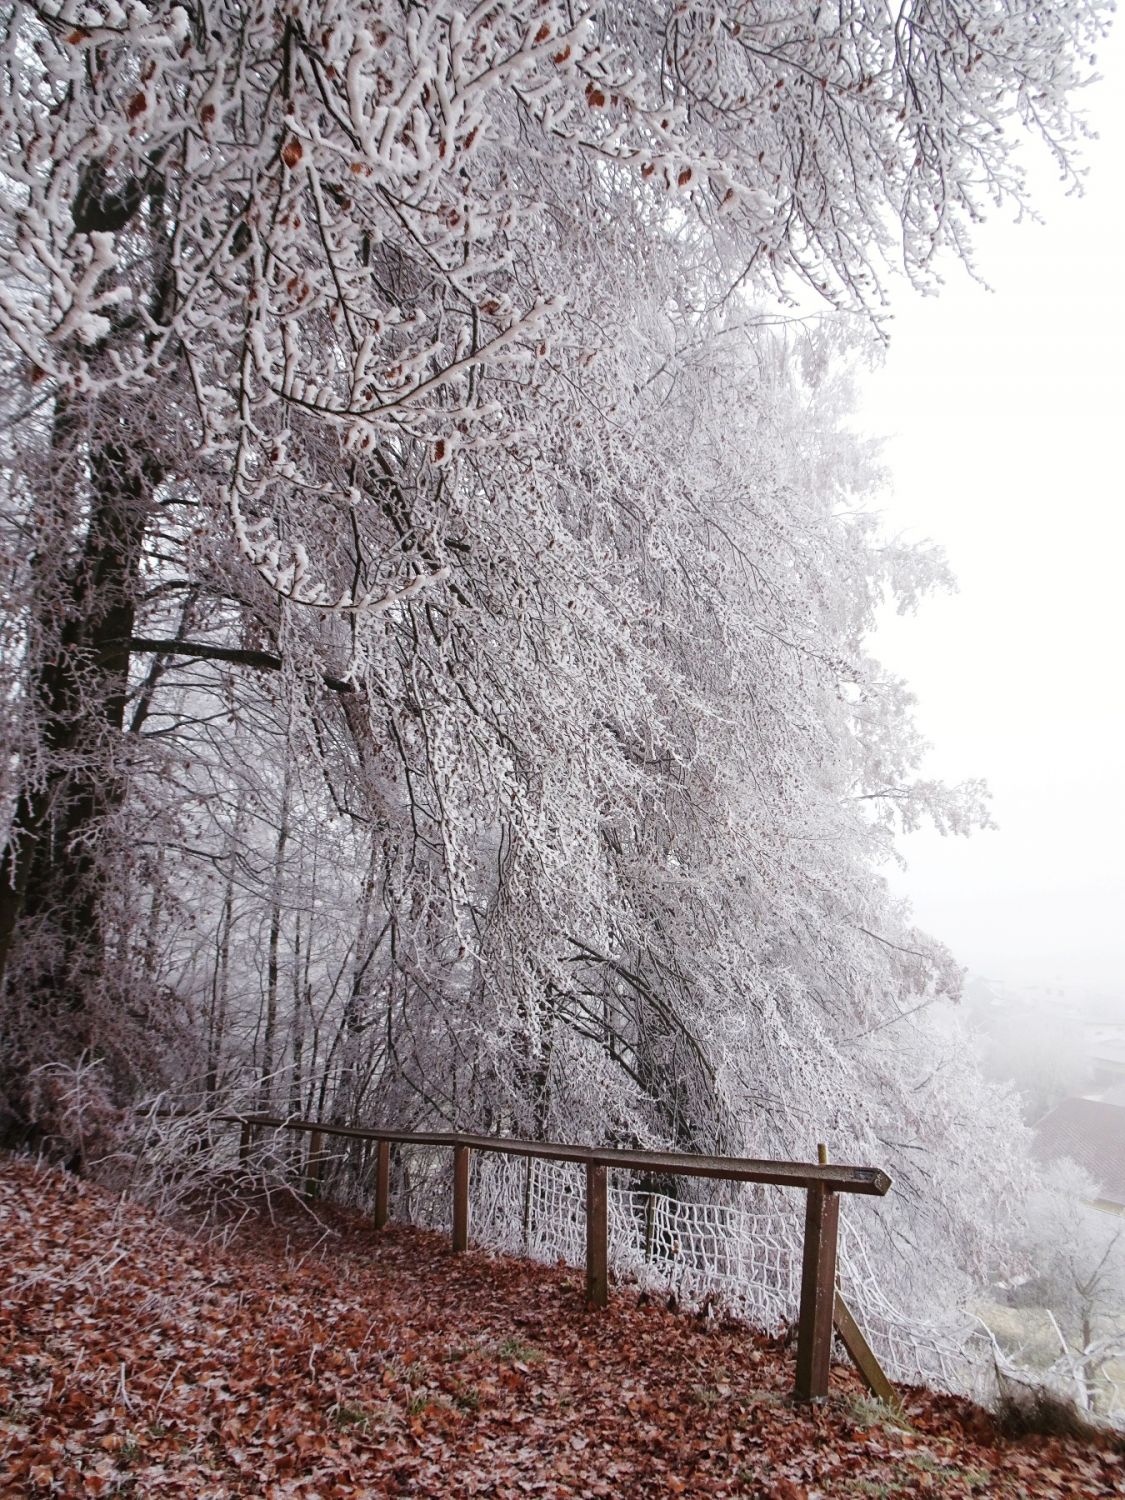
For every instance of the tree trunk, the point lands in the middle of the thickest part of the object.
(52, 906)
(269, 1034)
(95, 505)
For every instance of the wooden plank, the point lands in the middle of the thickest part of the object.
(863, 1356)
(597, 1237)
(818, 1293)
(867, 1180)
(871, 1181)
(382, 1183)
(526, 1218)
(314, 1164)
(461, 1161)
(862, 1353)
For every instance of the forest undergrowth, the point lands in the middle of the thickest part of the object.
(293, 1352)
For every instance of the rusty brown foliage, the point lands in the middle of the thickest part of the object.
(303, 1354)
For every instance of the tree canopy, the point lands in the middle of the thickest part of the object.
(437, 588)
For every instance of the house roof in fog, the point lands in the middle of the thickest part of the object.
(1092, 1133)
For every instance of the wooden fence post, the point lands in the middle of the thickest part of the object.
(245, 1141)
(461, 1160)
(382, 1182)
(314, 1164)
(528, 1163)
(851, 1335)
(818, 1292)
(597, 1237)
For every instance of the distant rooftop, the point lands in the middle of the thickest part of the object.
(1090, 1132)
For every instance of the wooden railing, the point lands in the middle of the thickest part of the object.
(822, 1184)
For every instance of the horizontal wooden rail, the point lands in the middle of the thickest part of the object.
(821, 1182)
(840, 1179)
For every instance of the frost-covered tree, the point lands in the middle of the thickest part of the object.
(435, 606)
(1075, 1268)
(1076, 1254)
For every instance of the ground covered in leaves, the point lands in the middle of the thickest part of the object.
(323, 1359)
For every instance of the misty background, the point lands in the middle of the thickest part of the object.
(1002, 409)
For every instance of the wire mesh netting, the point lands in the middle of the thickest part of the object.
(721, 1254)
(728, 1255)
(738, 1249)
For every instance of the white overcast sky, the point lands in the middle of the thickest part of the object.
(1005, 429)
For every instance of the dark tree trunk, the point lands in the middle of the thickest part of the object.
(96, 503)
(52, 928)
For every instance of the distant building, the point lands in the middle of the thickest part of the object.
(1090, 1132)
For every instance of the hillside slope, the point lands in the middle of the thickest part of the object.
(315, 1358)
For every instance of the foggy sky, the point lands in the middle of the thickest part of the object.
(1006, 431)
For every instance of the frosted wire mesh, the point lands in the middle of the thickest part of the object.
(531, 1208)
(949, 1356)
(743, 1260)
(747, 1262)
